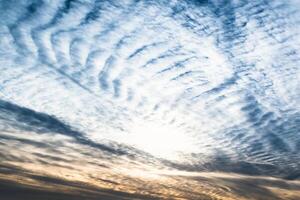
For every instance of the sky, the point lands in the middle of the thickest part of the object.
(149, 99)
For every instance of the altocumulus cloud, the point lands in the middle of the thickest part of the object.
(149, 99)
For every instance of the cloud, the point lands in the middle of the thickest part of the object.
(120, 86)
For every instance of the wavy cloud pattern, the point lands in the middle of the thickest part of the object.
(138, 99)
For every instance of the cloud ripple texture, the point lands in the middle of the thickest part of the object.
(171, 94)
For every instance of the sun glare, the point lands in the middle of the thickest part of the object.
(161, 140)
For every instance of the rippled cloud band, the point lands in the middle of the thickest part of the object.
(141, 99)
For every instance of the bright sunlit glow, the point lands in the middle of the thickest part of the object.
(161, 140)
